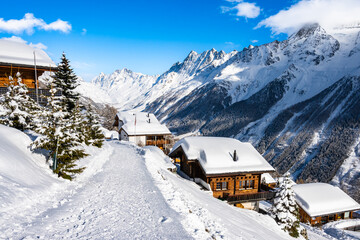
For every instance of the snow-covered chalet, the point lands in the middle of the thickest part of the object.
(16, 56)
(320, 203)
(142, 128)
(229, 168)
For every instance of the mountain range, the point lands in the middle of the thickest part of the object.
(297, 101)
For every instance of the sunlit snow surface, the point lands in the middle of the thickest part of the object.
(126, 192)
(14, 52)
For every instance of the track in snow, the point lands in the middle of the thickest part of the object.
(120, 202)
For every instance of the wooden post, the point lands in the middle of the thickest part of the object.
(36, 83)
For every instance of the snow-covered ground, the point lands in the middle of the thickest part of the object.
(126, 192)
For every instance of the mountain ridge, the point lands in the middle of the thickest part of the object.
(289, 98)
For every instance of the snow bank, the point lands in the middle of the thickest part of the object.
(146, 123)
(321, 199)
(24, 177)
(215, 155)
(204, 216)
(20, 53)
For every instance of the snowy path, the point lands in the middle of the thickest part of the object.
(120, 202)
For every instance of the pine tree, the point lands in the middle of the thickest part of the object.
(285, 210)
(18, 109)
(94, 135)
(66, 80)
(79, 123)
(59, 138)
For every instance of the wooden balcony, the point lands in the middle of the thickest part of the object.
(43, 93)
(259, 196)
(160, 142)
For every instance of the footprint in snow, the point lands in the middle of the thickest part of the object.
(164, 219)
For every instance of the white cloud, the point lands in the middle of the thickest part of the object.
(328, 13)
(29, 23)
(38, 46)
(243, 9)
(20, 40)
(84, 31)
(254, 41)
(229, 43)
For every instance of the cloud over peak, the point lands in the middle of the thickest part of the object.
(330, 14)
(29, 23)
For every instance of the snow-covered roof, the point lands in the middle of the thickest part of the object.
(14, 52)
(146, 124)
(318, 199)
(267, 178)
(215, 154)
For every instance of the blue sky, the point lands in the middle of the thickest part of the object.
(144, 36)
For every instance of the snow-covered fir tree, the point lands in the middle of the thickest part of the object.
(79, 122)
(94, 135)
(18, 110)
(285, 211)
(66, 80)
(59, 137)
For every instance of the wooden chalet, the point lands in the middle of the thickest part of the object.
(143, 129)
(320, 203)
(229, 168)
(19, 57)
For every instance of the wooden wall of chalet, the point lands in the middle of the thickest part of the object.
(193, 169)
(305, 218)
(27, 75)
(233, 185)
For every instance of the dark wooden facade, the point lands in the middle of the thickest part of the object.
(27, 73)
(237, 188)
(319, 220)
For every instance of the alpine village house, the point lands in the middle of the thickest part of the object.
(320, 203)
(143, 129)
(229, 168)
(30, 62)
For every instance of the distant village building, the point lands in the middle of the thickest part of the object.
(320, 203)
(142, 128)
(19, 57)
(229, 168)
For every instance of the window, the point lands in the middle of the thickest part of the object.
(221, 186)
(241, 185)
(252, 183)
(247, 184)
(346, 214)
(224, 185)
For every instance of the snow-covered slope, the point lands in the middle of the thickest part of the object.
(118, 196)
(296, 100)
(125, 192)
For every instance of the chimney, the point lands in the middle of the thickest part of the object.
(234, 156)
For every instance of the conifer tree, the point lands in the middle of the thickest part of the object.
(59, 138)
(79, 122)
(66, 80)
(285, 211)
(18, 109)
(94, 135)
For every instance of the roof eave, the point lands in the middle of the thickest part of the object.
(38, 67)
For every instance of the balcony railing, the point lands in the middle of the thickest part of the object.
(43, 93)
(157, 142)
(259, 196)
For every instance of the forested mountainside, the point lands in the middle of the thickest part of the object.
(297, 101)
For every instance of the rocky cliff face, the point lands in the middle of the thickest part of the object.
(297, 101)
